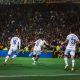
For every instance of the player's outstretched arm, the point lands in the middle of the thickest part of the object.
(78, 42)
(62, 43)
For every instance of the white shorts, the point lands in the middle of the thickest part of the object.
(69, 51)
(12, 49)
(36, 52)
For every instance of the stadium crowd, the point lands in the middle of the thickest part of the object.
(29, 20)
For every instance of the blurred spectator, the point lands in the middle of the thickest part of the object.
(53, 21)
(1, 46)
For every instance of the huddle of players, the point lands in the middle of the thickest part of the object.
(71, 39)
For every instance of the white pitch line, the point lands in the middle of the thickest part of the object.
(57, 75)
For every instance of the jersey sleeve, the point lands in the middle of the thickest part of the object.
(67, 38)
(77, 39)
(45, 42)
(11, 41)
(35, 42)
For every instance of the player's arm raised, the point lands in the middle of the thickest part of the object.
(48, 44)
(67, 38)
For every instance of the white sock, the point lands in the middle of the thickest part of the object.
(73, 63)
(14, 56)
(6, 58)
(33, 59)
(66, 61)
(34, 62)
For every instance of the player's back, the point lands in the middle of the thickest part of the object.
(72, 39)
(14, 41)
(38, 44)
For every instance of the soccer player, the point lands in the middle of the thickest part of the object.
(15, 44)
(72, 39)
(37, 49)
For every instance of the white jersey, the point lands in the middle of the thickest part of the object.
(38, 44)
(72, 39)
(15, 42)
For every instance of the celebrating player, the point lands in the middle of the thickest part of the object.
(72, 39)
(15, 44)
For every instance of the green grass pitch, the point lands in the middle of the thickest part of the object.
(46, 69)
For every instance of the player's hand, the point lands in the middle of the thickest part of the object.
(62, 43)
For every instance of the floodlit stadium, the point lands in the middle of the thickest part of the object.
(40, 39)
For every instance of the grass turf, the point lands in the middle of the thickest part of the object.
(46, 69)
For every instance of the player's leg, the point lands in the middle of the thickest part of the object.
(37, 55)
(34, 60)
(72, 53)
(6, 58)
(11, 59)
(66, 58)
(15, 54)
(33, 57)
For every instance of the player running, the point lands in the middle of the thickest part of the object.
(37, 49)
(72, 39)
(15, 44)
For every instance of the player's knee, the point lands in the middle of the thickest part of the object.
(72, 57)
(73, 60)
